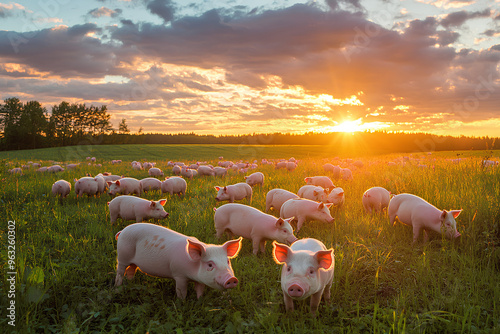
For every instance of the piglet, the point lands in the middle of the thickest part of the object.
(126, 185)
(154, 171)
(276, 197)
(255, 178)
(61, 188)
(376, 199)
(174, 185)
(336, 197)
(415, 211)
(314, 193)
(136, 208)
(251, 223)
(161, 252)
(304, 209)
(234, 192)
(86, 185)
(150, 183)
(322, 181)
(307, 271)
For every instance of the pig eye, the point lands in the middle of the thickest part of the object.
(210, 266)
(311, 271)
(289, 268)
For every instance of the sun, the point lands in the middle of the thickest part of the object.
(349, 126)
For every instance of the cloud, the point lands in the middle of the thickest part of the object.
(456, 19)
(104, 11)
(163, 8)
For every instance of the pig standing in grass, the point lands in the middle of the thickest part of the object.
(255, 178)
(101, 183)
(136, 208)
(322, 181)
(86, 185)
(154, 171)
(174, 185)
(61, 188)
(161, 252)
(253, 224)
(276, 197)
(125, 186)
(307, 271)
(220, 171)
(376, 199)
(234, 192)
(55, 169)
(304, 209)
(421, 215)
(314, 193)
(176, 170)
(150, 183)
(205, 171)
(336, 197)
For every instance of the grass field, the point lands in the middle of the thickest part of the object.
(66, 250)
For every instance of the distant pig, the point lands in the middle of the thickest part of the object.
(421, 215)
(135, 208)
(255, 178)
(234, 192)
(86, 185)
(55, 169)
(125, 186)
(346, 174)
(322, 181)
(251, 223)
(276, 197)
(174, 185)
(161, 252)
(314, 193)
(154, 171)
(176, 169)
(376, 199)
(205, 171)
(308, 268)
(305, 209)
(101, 183)
(16, 170)
(220, 171)
(150, 183)
(290, 166)
(336, 197)
(61, 188)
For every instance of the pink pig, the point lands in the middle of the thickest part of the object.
(376, 199)
(174, 185)
(136, 208)
(154, 171)
(255, 178)
(336, 197)
(126, 185)
(315, 193)
(150, 183)
(86, 185)
(307, 271)
(304, 209)
(251, 223)
(415, 211)
(61, 188)
(234, 192)
(276, 197)
(161, 252)
(322, 181)
(205, 170)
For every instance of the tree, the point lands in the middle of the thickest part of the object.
(123, 127)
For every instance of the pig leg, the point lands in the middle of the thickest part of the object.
(262, 246)
(139, 219)
(181, 284)
(288, 302)
(327, 291)
(130, 271)
(426, 236)
(315, 300)
(416, 232)
(114, 217)
(120, 271)
(199, 288)
(255, 243)
(300, 222)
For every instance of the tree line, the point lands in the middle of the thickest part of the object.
(29, 125)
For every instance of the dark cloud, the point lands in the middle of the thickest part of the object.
(162, 8)
(456, 19)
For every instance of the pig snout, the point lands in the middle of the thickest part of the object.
(230, 283)
(457, 234)
(292, 239)
(295, 290)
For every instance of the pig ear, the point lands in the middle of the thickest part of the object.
(328, 205)
(117, 183)
(281, 252)
(320, 206)
(289, 220)
(162, 202)
(232, 247)
(443, 215)
(246, 177)
(195, 250)
(315, 193)
(217, 188)
(340, 194)
(280, 222)
(306, 179)
(324, 258)
(152, 205)
(225, 188)
(109, 183)
(456, 213)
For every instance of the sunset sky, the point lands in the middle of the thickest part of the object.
(238, 67)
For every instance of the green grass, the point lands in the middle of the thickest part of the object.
(66, 251)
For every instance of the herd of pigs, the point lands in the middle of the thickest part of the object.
(308, 266)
